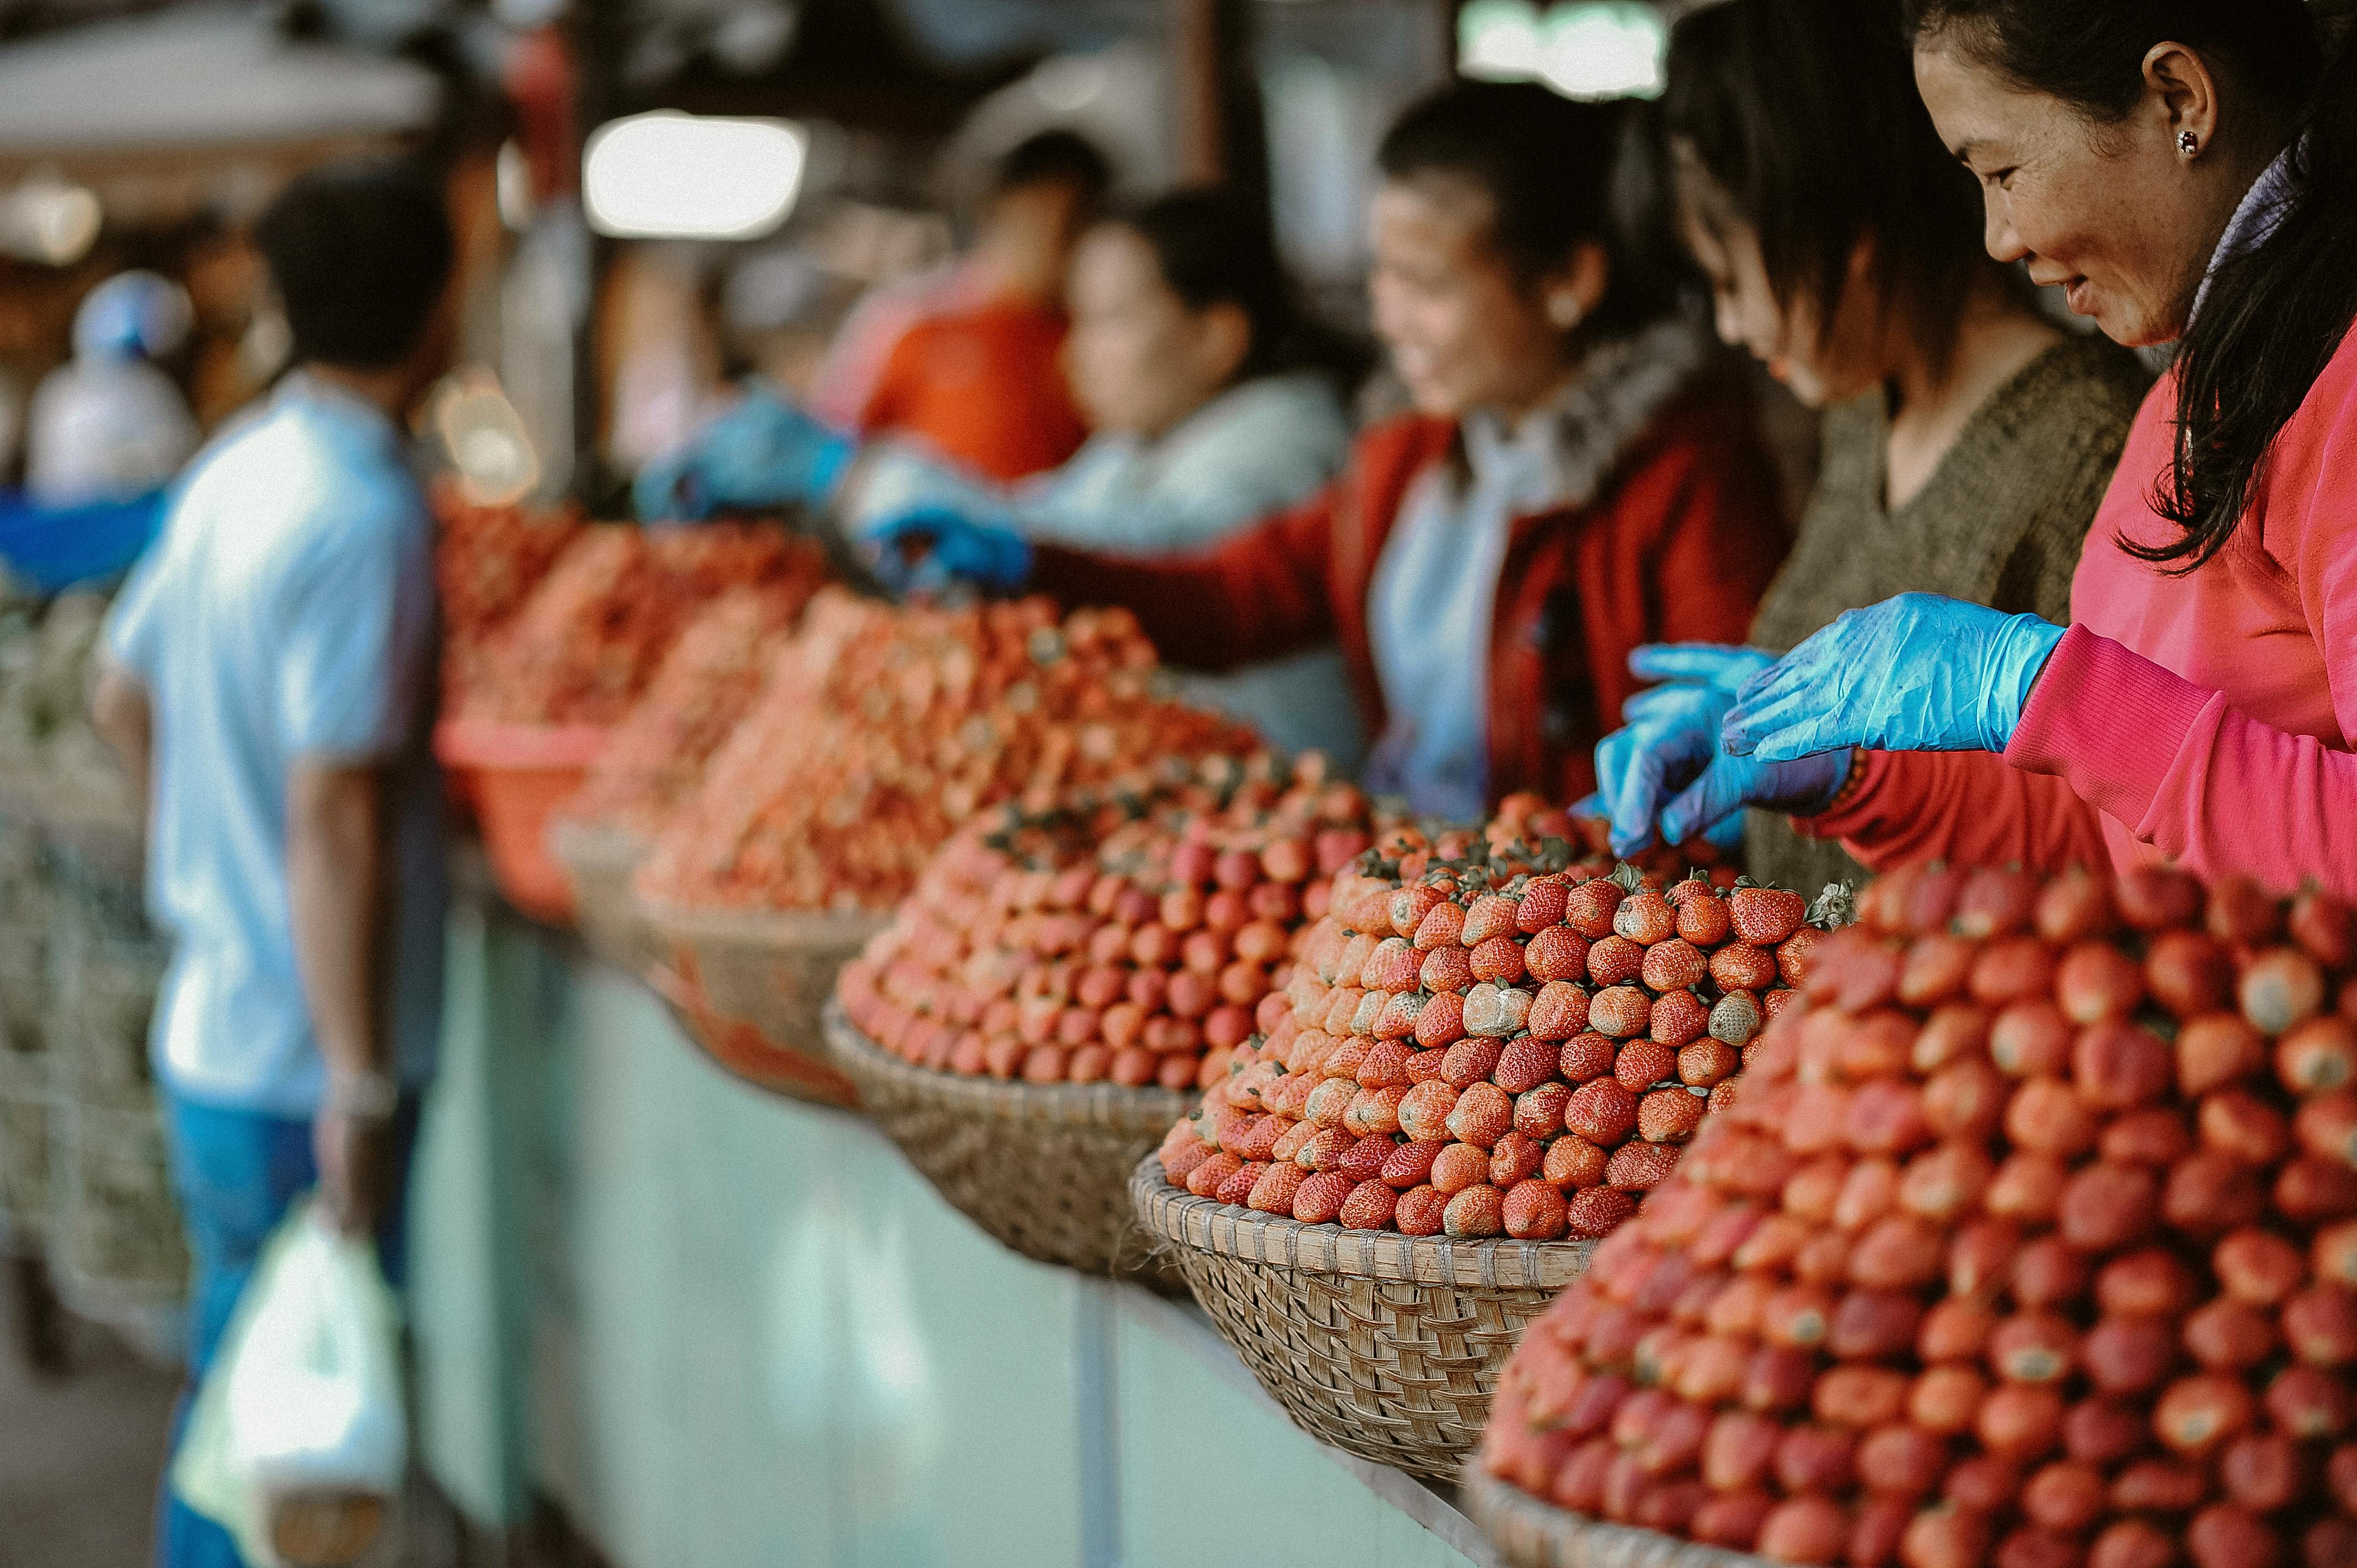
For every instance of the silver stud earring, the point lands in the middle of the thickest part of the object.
(2188, 143)
(1564, 311)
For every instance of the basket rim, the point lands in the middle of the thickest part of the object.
(830, 928)
(605, 845)
(1230, 1230)
(499, 746)
(1150, 1112)
(1575, 1540)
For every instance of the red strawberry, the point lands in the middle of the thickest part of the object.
(1423, 1114)
(1792, 954)
(1406, 909)
(1442, 1022)
(1679, 1019)
(1544, 900)
(1642, 1165)
(1498, 959)
(1238, 1186)
(1559, 1011)
(1446, 969)
(1324, 1149)
(1584, 1056)
(1642, 1064)
(1707, 1062)
(1514, 1157)
(1483, 1114)
(1411, 1164)
(1421, 1211)
(1765, 915)
(1478, 1210)
(1319, 1197)
(1492, 915)
(1364, 1160)
(1370, 1207)
(1458, 1166)
(1557, 952)
(1538, 1113)
(1573, 1162)
(1668, 1115)
(1673, 965)
(1440, 928)
(1703, 919)
(1588, 907)
(1620, 1011)
(1275, 1191)
(1740, 966)
(1596, 1210)
(1645, 917)
(1525, 1063)
(1604, 1112)
(1533, 1211)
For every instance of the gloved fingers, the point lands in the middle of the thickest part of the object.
(1656, 764)
(1677, 707)
(1589, 806)
(1707, 803)
(1616, 756)
(1708, 663)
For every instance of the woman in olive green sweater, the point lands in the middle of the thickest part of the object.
(1966, 439)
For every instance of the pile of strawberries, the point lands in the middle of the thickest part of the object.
(487, 560)
(883, 730)
(1484, 1041)
(2031, 1238)
(592, 634)
(1134, 937)
(713, 674)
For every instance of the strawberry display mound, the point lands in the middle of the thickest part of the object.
(1528, 1533)
(1386, 1345)
(1061, 985)
(2029, 1241)
(1041, 1167)
(756, 981)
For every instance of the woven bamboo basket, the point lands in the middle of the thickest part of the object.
(1386, 1345)
(742, 1051)
(1529, 1534)
(1044, 1167)
(598, 860)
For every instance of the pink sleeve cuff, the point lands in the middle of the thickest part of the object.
(1869, 776)
(2109, 722)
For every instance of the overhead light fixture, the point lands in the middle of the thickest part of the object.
(51, 220)
(1597, 48)
(484, 438)
(687, 177)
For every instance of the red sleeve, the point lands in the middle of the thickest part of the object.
(1255, 595)
(1721, 551)
(1968, 808)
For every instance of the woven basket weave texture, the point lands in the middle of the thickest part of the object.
(1386, 1345)
(1044, 1168)
(1529, 1534)
(773, 971)
(599, 861)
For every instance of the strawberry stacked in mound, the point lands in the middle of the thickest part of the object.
(487, 560)
(882, 731)
(655, 758)
(589, 638)
(1488, 1042)
(2026, 1241)
(1133, 938)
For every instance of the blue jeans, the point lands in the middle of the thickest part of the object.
(237, 1173)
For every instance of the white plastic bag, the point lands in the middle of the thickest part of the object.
(304, 1396)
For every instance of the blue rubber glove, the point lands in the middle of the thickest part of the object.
(761, 453)
(1669, 736)
(1801, 788)
(926, 549)
(1919, 673)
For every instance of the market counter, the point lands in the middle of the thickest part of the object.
(718, 1328)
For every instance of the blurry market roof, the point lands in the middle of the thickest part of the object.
(189, 85)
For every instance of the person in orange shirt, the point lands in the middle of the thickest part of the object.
(968, 363)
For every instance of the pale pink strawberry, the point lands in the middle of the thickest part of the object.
(1391, 967)
(1288, 1148)
(1328, 1102)
(1406, 910)
(1375, 1111)
(1645, 917)
(1324, 1149)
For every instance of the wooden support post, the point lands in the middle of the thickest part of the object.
(1222, 138)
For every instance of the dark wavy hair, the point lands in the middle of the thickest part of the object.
(361, 253)
(1559, 174)
(2275, 314)
(1213, 245)
(1805, 113)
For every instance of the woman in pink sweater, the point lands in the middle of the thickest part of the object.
(2181, 169)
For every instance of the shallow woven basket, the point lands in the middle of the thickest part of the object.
(1386, 1345)
(1529, 1534)
(598, 860)
(771, 972)
(1044, 1167)
(740, 1049)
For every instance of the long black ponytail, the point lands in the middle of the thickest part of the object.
(2275, 314)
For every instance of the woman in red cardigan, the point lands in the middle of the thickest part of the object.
(2178, 166)
(1578, 477)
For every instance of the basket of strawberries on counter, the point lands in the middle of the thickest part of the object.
(1491, 1053)
(2030, 1239)
(554, 680)
(880, 732)
(1055, 995)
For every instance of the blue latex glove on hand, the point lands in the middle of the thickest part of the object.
(1801, 788)
(1919, 673)
(928, 548)
(1670, 734)
(761, 453)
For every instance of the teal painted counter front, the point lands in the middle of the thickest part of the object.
(723, 1330)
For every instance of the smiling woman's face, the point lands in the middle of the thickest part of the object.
(2115, 215)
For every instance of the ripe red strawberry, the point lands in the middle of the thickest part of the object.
(1492, 915)
(1471, 1061)
(1533, 1211)
(1525, 1064)
(1275, 1191)
(1538, 1113)
(1596, 1210)
(1559, 1011)
(1319, 1197)
(1669, 1115)
(1514, 1157)
(1620, 1011)
(1478, 1210)
(1442, 1023)
(1446, 969)
(1441, 926)
(1673, 964)
(1557, 952)
(1604, 1112)
(1364, 1160)
(1642, 1064)
(1370, 1207)
(1679, 1018)
(1411, 1164)
(1483, 1114)
(1573, 1162)
(1642, 1165)
(1405, 910)
(1588, 907)
(1458, 1166)
(1324, 1149)
(1420, 1212)
(1645, 917)
(1423, 1114)
(1703, 919)
(1498, 959)
(1765, 915)
(1180, 1163)
(1237, 1188)
(1707, 1062)
(1740, 966)
(1584, 1056)
(1544, 900)
(1793, 954)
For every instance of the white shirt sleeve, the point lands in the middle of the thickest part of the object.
(355, 644)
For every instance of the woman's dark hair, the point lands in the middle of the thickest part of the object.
(1558, 175)
(1805, 114)
(1214, 246)
(1054, 156)
(360, 254)
(2276, 313)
